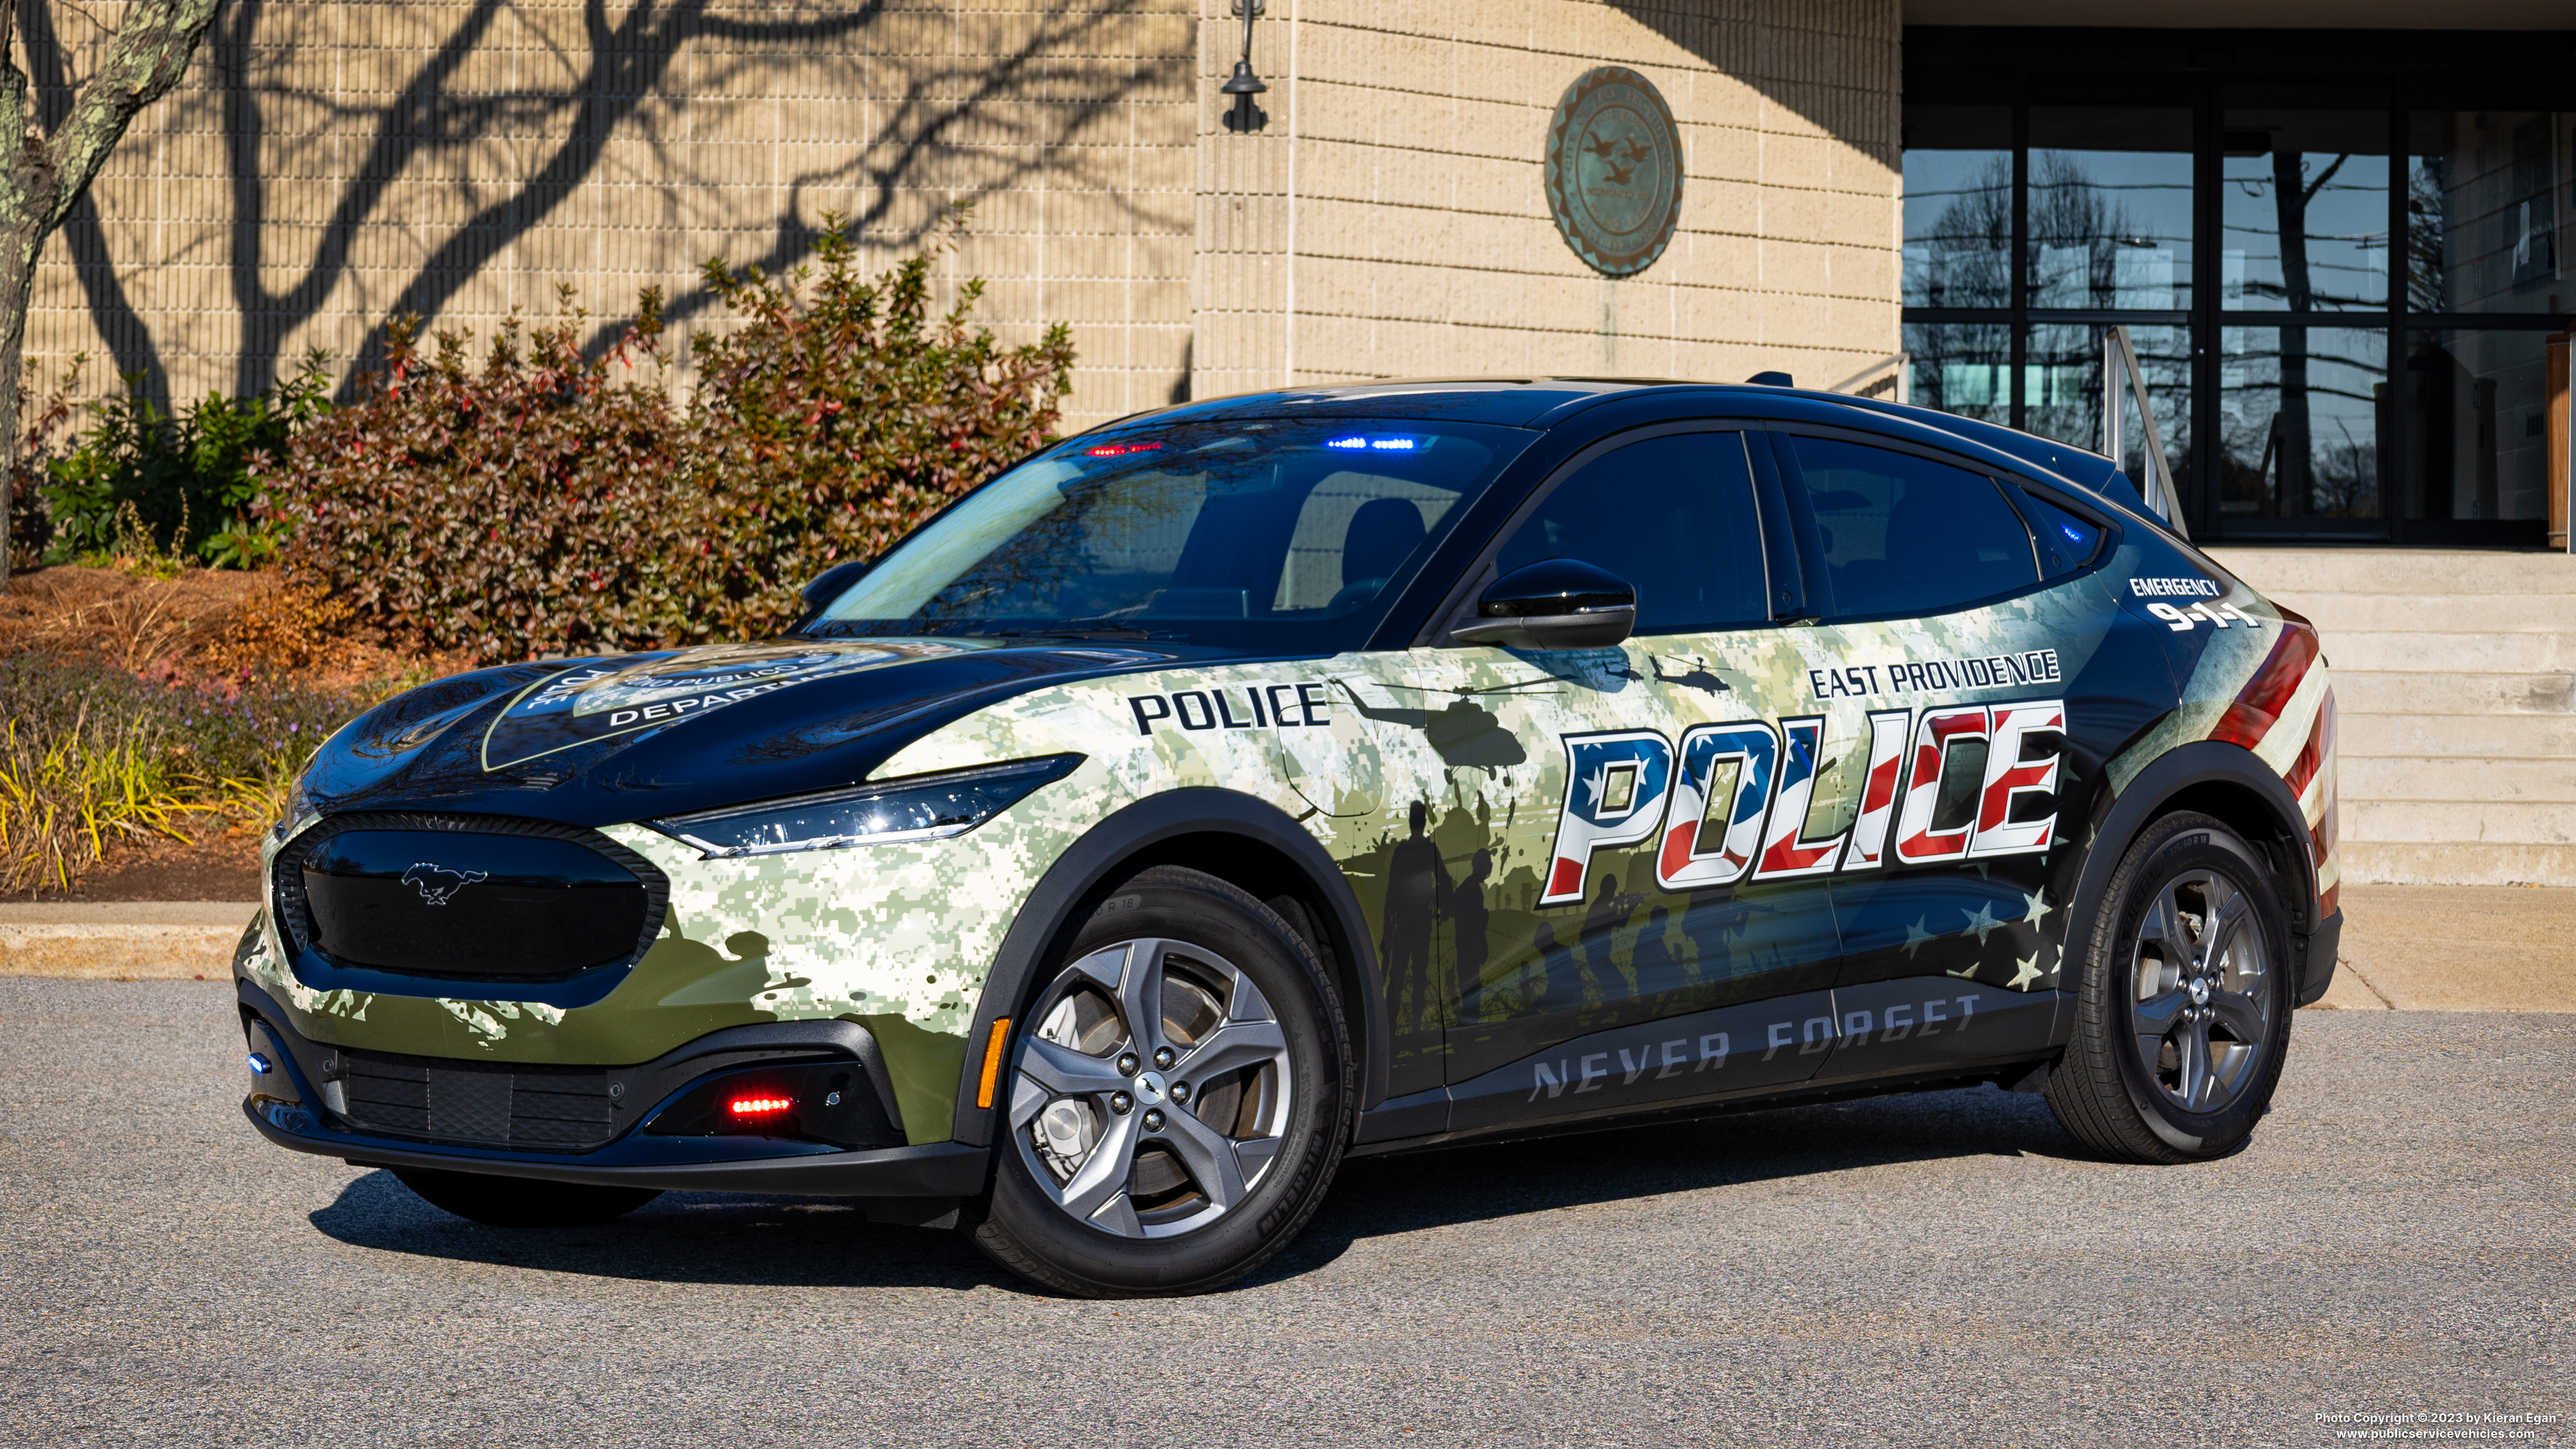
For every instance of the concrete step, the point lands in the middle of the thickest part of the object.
(2285, 572)
(2483, 822)
(2379, 692)
(2465, 784)
(2409, 863)
(2475, 652)
(2458, 736)
(2435, 613)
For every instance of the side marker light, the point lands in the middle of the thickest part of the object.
(992, 1062)
(758, 1106)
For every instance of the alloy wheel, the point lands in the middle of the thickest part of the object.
(1152, 1095)
(2201, 1004)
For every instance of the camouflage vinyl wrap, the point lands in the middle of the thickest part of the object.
(1370, 752)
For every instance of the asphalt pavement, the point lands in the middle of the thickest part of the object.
(2400, 1238)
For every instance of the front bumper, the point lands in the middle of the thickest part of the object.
(298, 1113)
(939, 1169)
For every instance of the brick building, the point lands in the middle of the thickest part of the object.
(2334, 236)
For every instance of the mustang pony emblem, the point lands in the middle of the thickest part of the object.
(437, 883)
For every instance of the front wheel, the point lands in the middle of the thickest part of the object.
(1176, 1103)
(2184, 1015)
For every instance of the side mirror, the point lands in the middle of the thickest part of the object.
(1557, 603)
(827, 586)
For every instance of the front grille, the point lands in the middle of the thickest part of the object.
(480, 1104)
(481, 898)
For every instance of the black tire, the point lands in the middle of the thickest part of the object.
(2188, 962)
(521, 1202)
(1107, 1185)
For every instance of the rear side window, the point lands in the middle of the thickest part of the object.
(1900, 534)
(2066, 542)
(1673, 516)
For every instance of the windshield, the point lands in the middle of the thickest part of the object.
(1280, 535)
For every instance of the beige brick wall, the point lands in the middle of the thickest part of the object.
(324, 165)
(1390, 221)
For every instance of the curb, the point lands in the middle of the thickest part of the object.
(150, 940)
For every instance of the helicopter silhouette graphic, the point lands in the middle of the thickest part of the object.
(1466, 735)
(1698, 676)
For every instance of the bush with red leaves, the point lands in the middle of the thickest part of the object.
(543, 502)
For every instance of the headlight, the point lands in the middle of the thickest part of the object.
(918, 807)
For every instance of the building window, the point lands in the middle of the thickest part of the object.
(2337, 282)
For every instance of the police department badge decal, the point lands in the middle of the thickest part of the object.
(630, 693)
(1614, 170)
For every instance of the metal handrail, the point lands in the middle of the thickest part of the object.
(1902, 362)
(2119, 360)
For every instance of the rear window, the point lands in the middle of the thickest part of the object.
(1899, 534)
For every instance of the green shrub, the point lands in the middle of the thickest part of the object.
(494, 508)
(29, 527)
(540, 501)
(182, 476)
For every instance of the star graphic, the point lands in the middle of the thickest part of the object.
(2024, 972)
(1963, 972)
(2039, 906)
(1982, 922)
(1915, 936)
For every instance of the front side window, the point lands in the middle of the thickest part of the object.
(1673, 516)
(1262, 533)
(1898, 534)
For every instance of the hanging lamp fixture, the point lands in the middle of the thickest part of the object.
(1243, 85)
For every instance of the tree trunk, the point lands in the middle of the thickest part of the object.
(45, 176)
(19, 245)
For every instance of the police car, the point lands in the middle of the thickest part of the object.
(1256, 783)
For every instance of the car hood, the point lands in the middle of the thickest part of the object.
(602, 740)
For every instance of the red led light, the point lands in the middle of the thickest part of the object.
(758, 1106)
(1113, 450)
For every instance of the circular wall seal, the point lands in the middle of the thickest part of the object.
(1614, 170)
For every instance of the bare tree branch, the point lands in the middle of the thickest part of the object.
(148, 56)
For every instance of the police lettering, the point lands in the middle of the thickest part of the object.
(1249, 706)
(1634, 787)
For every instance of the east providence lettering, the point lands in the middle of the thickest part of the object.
(1935, 676)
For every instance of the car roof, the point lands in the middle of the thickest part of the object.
(1540, 402)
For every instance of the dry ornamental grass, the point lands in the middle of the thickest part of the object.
(136, 707)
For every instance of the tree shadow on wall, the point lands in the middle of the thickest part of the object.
(624, 65)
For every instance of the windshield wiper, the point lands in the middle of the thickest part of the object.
(1077, 629)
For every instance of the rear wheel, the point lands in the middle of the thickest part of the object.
(520, 1202)
(1176, 1105)
(2184, 1015)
